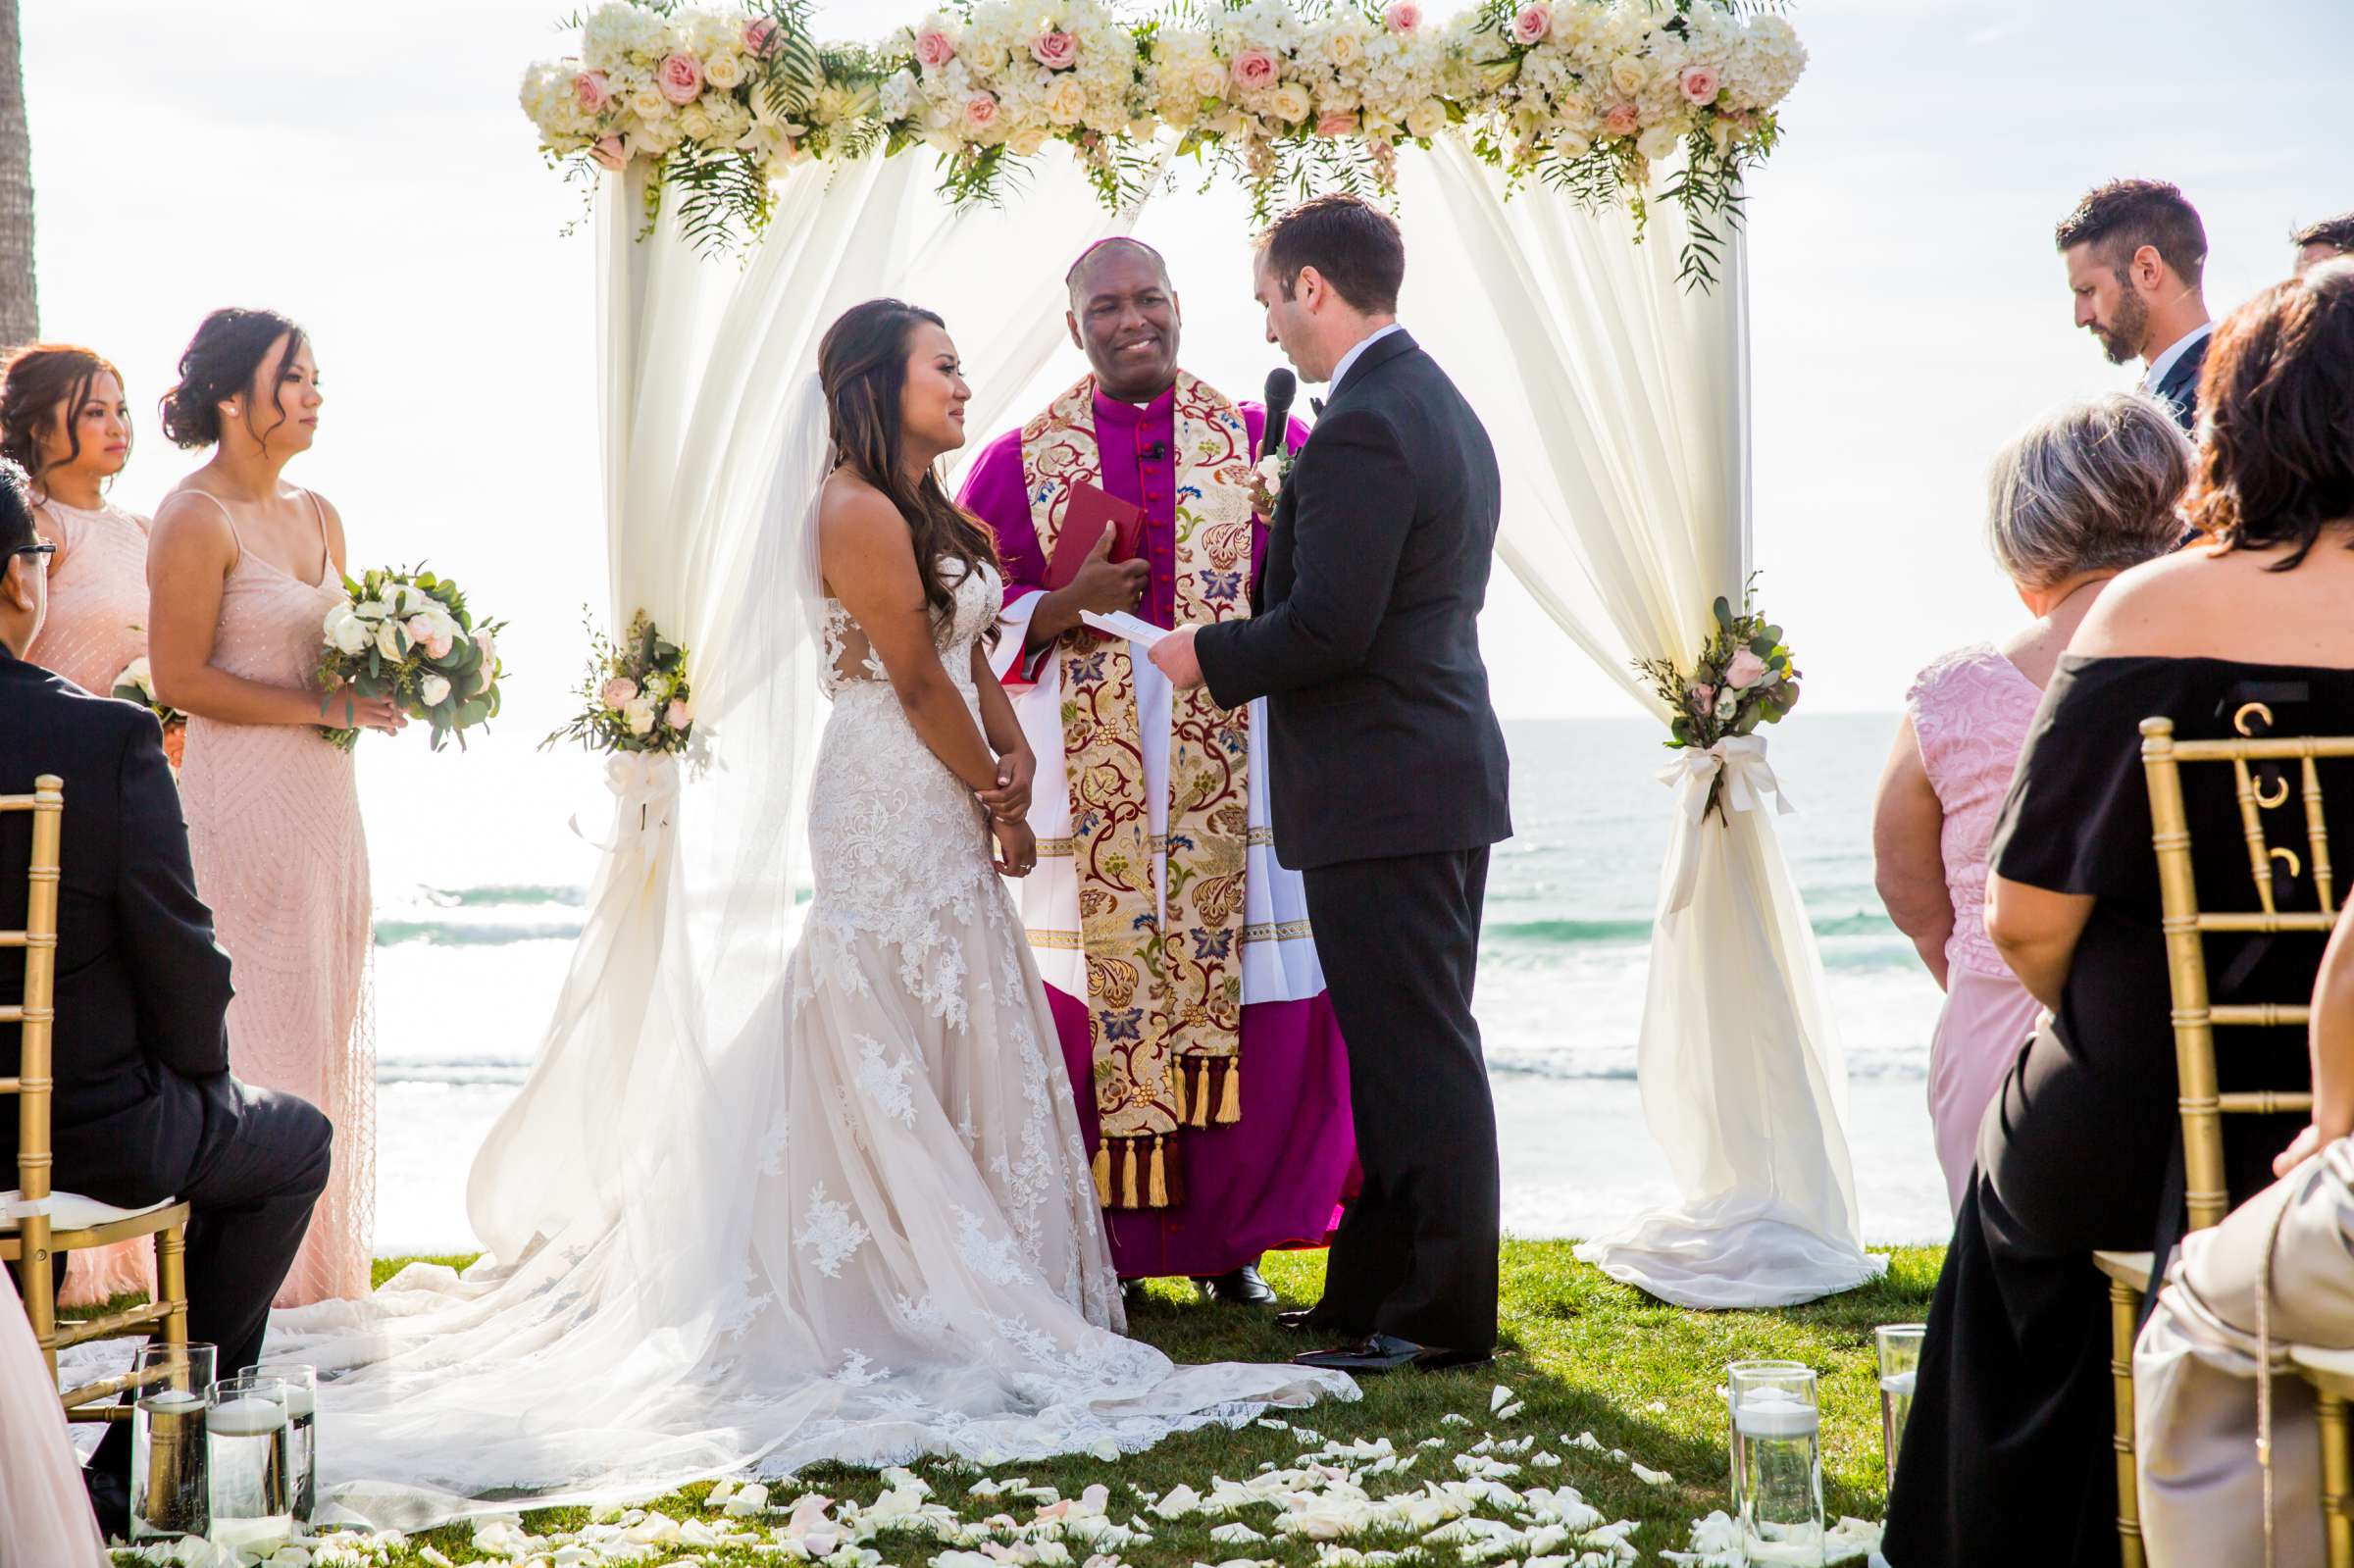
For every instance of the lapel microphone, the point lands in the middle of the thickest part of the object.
(1282, 387)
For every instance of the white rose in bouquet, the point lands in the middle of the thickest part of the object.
(434, 689)
(638, 713)
(345, 630)
(387, 638)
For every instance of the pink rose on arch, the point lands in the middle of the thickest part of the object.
(981, 110)
(1056, 50)
(758, 34)
(1254, 69)
(1532, 25)
(1700, 83)
(617, 692)
(610, 153)
(680, 77)
(1337, 122)
(934, 48)
(1622, 120)
(1744, 670)
(592, 90)
(1403, 17)
(1703, 697)
(680, 714)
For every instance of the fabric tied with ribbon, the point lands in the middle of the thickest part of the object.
(1734, 775)
(645, 787)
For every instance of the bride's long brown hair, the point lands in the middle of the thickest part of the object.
(862, 363)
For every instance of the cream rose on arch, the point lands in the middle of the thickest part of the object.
(1426, 119)
(1290, 103)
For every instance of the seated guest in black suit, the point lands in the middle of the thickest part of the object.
(2135, 253)
(2007, 1456)
(144, 1108)
(2325, 240)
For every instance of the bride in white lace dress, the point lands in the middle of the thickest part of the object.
(867, 1230)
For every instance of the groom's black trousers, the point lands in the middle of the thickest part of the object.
(1415, 1253)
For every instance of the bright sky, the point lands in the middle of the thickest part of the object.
(368, 172)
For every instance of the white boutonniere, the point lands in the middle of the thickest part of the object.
(1268, 479)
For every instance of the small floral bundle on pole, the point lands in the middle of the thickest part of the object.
(635, 696)
(408, 636)
(136, 683)
(1744, 678)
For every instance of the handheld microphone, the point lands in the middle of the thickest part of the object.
(1282, 387)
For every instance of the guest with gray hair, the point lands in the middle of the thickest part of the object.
(2080, 497)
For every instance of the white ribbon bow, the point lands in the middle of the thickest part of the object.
(645, 784)
(1740, 762)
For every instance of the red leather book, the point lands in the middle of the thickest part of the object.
(1089, 511)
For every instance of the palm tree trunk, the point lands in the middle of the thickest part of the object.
(20, 307)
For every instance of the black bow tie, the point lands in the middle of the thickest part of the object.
(1316, 406)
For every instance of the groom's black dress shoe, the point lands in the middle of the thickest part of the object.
(1239, 1287)
(1386, 1353)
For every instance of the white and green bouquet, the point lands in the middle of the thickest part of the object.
(408, 636)
(1745, 676)
(635, 696)
(136, 683)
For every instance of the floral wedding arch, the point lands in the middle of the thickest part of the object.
(749, 184)
(1284, 95)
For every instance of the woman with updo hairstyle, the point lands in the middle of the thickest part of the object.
(241, 571)
(2076, 498)
(2247, 632)
(64, 421)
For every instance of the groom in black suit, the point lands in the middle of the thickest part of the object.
(1389, 774)
(143, 1107)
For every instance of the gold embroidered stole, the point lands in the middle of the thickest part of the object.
(1164, 998)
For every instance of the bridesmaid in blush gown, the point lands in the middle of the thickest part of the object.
(241, 571)
(64, 421)
(2081, 497)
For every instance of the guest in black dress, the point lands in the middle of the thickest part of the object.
(2007, 1456)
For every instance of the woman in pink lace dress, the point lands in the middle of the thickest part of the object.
(242, 570)
(2081, 495)
(64, 421)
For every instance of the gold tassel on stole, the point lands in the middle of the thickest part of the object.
(1158, 1193)
(1103, 1175)
(1128, 1176)
(1177, 1090)
(1230, 1104)
(1202, 1092)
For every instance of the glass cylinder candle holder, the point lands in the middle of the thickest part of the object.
(1777, 1432)
(251, 1441)
(170, 1488)
(1899, 1346)
(302, 1421)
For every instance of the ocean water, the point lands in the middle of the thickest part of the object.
(481, 878)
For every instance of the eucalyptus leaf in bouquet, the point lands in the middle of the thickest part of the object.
(635, 696)
(408, 636)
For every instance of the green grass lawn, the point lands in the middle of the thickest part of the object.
(1585, 1355)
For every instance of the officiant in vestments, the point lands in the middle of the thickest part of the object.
(1185, 989)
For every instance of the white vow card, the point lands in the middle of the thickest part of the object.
(1120, 624)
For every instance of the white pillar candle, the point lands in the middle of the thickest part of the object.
(248, 1417)
(1771, 1413)
(1901, 1382)
(173, 1401)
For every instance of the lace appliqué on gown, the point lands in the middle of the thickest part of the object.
(911, 1259)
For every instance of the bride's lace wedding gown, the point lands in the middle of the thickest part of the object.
(917, 1263)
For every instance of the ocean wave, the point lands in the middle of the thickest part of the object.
(461, 1075)
(501, 895)
(1574, 932)
(472, 933)
(1891, 1066)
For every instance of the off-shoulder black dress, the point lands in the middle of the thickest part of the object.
(2008, 1456)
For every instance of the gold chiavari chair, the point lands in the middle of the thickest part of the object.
(2195, 1021)
(37, 1223)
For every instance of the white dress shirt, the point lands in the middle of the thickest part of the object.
(2155, 377)
(1362, 343)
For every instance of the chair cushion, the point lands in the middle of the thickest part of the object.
(2126, 1268)
(71, 1211)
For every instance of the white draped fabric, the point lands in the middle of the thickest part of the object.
(1623, 431)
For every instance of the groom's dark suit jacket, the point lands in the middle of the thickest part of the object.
(141, 1057)
(1364, 632)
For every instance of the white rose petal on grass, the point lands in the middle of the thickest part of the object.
(1181, 1501)
(1108, 1451)
(1658, 1408)
(1650, 1477)
(1545, 1461)
(1452, 1419)
(1237, 1534)
(1510, 1410)
(1585, 1439)
(1498, 1399)
(1434, 1442)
